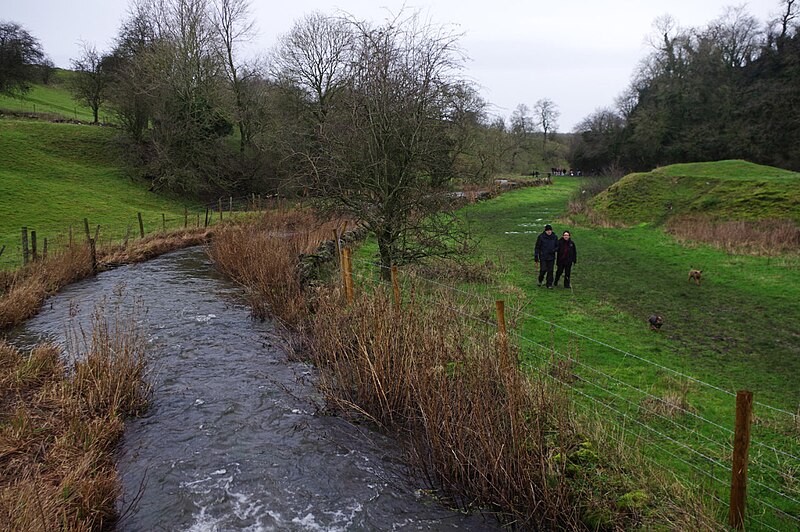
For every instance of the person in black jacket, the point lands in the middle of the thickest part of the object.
(545, 254)
(566, 256)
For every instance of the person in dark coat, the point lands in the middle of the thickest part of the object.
(545, 254)
(566, 256)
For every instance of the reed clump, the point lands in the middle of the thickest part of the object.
(264, 254)
(764, 237)
(59, 427)
(480, 430)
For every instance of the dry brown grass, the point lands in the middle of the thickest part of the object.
(263, 255)
(765, 237)
(23, 291)
(479, 429)
(59, 429)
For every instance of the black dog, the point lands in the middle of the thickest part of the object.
(655, 322)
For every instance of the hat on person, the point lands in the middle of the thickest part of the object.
(548, 227)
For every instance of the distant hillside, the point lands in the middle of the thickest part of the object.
(53, 175)
(53, 98)
(728, 190)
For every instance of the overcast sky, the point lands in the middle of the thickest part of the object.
(579, 53)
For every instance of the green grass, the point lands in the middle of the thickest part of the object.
(54, 98)
(731, 190)
(739, 330)
(54, 175)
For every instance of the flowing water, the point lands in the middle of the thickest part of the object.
(233, 439)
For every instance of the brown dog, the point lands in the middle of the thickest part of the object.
(696, 275)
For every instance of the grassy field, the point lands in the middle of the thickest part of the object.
(52, 176)
(53, 98)
(670, 390)
(731, 190)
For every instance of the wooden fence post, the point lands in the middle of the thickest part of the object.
(348, 277)
(395, 288)
(206, 223)
(93, 256)
(97, 234)
(230, 205)
(44, 249)
(198, 219)
(163, 223)
(741, 446)
(338, 245)
(500, 307)
(127, 236)
(86, 229)
(24, 245)
(2, 249)
(33, 246)
(220, 209)
(185, 217)
(141, 225)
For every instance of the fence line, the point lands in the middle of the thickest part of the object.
(594, 340)
(714, 463)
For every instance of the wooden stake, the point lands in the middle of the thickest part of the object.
(348, 279)
(163, 223)
(198, 219)
(33, 246)
(97, 234)
(127, 236)
(2, 249)
(206, 223)
(86, 229)
(741, 447)
(501, 330)
(230, 205)
(141, 225)
(185, 217)
(70, 236)
(395, 288)
(338, 246)
(220, 209)
(44, 249)
(25, 245)
(93, 256)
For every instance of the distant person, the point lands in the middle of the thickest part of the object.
(566, 256)
(544, 254)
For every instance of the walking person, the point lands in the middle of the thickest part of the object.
(566, 256)
(544, 254)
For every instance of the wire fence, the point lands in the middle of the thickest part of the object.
(672, 418)
(199, 214)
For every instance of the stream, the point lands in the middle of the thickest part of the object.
(233, 439)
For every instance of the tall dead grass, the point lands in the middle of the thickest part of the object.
(264, 255)
(23, 291)
(480, 430)
(765, 237)
(59, 427)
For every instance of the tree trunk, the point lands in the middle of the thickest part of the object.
(385, 249)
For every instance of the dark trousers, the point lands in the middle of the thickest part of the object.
(546, 267)
(566, 269)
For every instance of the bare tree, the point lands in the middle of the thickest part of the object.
(233, 26)
(91, 80)
(546, 113)
(386, 102)
(315, 56)
(737, 35)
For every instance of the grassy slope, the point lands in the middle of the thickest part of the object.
(726, 189)
(54, 175)
(54, 98)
